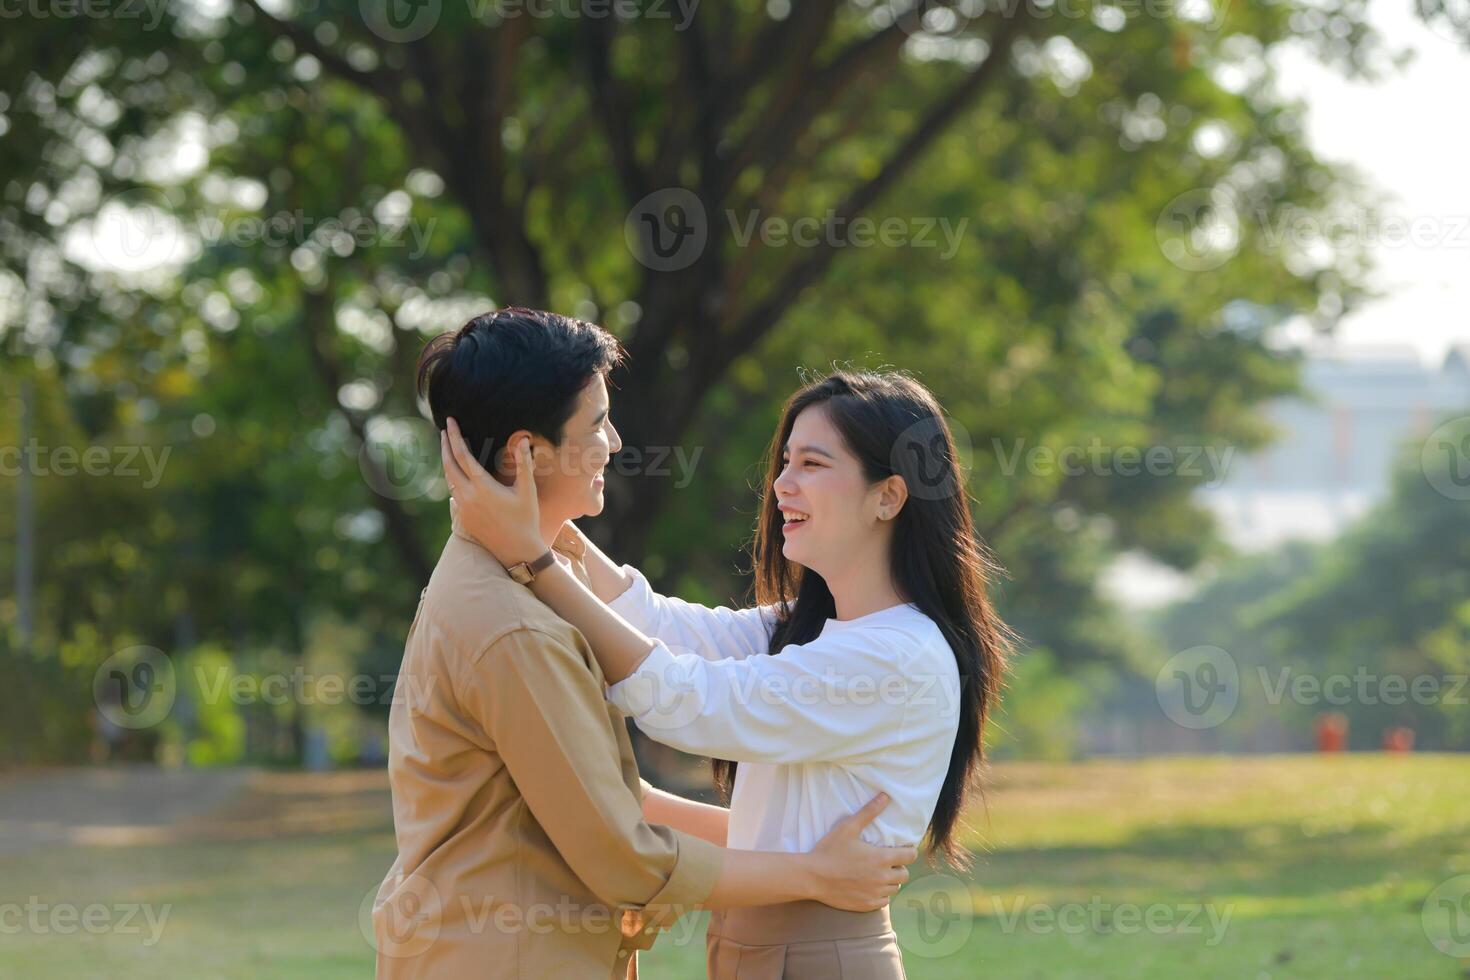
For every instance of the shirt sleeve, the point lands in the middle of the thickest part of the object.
(713, 633)
(536, 697)
(839, 697)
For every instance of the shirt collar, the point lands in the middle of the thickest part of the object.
(568, 542)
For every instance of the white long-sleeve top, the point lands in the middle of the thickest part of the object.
(871, 705)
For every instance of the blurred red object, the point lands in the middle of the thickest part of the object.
(1398, 739)
(1332, 731)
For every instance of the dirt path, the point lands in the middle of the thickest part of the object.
(109, 806)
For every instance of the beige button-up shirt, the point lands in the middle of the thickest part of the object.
(516, 797)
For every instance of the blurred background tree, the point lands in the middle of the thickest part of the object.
(227, 233)
(1374, 625)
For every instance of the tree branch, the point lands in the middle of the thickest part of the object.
(377, 82)
(785, 43)
(760, 318)
(611, 106)
(317, 314)
(769, 141)
(766, 197)
(499, 225)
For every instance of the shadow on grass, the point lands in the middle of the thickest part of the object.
(1275, 859)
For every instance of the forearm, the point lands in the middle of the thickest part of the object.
(700, 819)
(763, 878)
(619, 647)
(607, 577)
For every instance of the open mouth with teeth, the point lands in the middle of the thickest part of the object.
(794, 519)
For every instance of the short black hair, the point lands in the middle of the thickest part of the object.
(512, 369)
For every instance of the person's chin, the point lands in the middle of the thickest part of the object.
(791, 550)
(595, 503)
(802, 553)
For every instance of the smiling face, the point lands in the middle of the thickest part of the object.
(569, 479)
(831, 514)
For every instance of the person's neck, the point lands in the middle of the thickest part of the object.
(551, 525)
(863, 587)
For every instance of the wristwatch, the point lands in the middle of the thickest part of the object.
(525, 572)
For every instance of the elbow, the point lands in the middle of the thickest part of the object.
(685, 737)
(633, 873)
(725, 743)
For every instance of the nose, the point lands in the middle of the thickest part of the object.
(784, 485)
(614, 441)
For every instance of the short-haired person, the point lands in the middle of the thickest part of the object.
(522, 825)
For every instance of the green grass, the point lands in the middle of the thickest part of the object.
(1310, 867)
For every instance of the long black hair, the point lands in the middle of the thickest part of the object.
(894, 426)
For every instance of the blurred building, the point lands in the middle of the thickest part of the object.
(1338, 445)
(1333, 458)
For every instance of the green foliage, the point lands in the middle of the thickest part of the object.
(216, 735)
(263, 341)
(1040, 709)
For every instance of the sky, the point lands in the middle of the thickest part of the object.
(1408, 134)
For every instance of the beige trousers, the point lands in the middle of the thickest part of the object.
(802, 941)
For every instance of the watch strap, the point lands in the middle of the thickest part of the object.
(525, 572)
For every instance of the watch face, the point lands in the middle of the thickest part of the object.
(521, 573)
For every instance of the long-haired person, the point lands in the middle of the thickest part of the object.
(869, 664)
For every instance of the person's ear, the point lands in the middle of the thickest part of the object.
(505, 460)
(893, 493)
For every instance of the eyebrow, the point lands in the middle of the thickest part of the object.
(811, 449)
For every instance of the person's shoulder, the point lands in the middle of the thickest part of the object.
(912, 634)
(473, 603)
